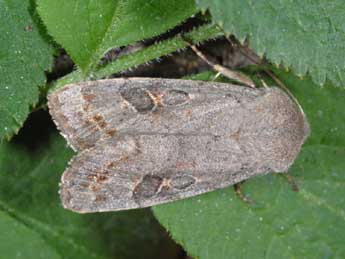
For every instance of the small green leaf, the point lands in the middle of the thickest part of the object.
(24, 57)
(283, 223)
(33, 222)
(307, 36)
(87, 29)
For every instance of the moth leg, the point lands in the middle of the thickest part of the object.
(264, 83)
(233, 75)
(240, 195)
(216, 76)
(291, 180)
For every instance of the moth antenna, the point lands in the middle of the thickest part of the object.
(283, 86)
(257, 60)
(240, 195)
(253, 57)
(263, 83)
(237, 76)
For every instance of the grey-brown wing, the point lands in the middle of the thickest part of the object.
(87, 111)
(135, 171)
(138, 171)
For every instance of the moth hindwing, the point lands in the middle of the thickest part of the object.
(145, 141)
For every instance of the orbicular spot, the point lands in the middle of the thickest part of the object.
(175, 97)
(139, 98)
(182, 181)
(148, 187)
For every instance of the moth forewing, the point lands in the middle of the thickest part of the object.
(87, 111)
(147, 141)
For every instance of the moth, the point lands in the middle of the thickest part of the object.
(146, 141)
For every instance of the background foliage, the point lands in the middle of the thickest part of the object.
(306, 37)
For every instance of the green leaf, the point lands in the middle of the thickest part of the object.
(32, 215)
(283, 223)
(147, 54)
(23, 58)
(307, 36)
(87, 29)
(17, 240)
